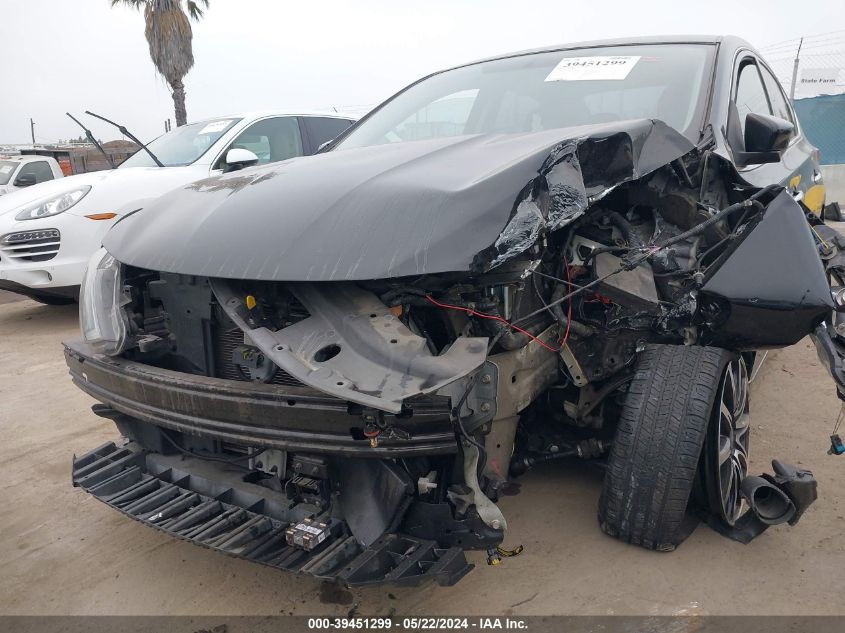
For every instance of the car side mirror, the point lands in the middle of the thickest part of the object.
(25, 180)
(764, 139)
(764, 133)
(238, 158)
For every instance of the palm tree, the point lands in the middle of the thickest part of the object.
(169, 35)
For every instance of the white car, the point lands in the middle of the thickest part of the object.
(18, 172)
(50, 230)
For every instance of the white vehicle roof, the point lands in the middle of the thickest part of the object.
(28, 158)
(260, 114)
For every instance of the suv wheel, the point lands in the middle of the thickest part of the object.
(657, 451)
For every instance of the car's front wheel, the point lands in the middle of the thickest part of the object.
(724, 460)
(686, 412)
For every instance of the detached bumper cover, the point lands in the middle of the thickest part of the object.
(193, 500)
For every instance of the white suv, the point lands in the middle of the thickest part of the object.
(49, 231)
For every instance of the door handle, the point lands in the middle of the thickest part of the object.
(817, 176)
(797, 195)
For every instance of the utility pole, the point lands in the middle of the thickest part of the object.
(32, 130)
(795, 72)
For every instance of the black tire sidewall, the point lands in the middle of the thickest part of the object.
(655, 459)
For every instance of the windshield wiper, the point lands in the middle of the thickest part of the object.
(91, 139)
(126, 132)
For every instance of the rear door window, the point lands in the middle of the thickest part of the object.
(324, 129)
(780, 107)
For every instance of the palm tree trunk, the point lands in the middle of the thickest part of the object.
(179, 102)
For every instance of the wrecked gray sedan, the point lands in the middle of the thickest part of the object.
(336, 365)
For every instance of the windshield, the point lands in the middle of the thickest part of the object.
(7, 168)
(543, 91)
(183, 145)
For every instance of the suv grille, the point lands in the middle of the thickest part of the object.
(30, 246)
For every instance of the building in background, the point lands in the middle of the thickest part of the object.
(81, 159)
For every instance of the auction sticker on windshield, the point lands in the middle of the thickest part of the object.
(600, 67)
(215, 126)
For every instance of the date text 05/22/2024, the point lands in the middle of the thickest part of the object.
(417, 623)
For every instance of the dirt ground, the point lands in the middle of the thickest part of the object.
(62, 552)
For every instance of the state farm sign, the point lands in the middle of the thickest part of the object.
(819, 81)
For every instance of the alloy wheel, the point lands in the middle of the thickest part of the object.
(726, 461)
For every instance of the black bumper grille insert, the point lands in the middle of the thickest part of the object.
(185, 505)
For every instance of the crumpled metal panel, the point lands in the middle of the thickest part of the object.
(351, 346)
(565, 190)
(433, 206)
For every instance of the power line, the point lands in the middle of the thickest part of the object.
(811, 46)
(794, 41)
(811, 57)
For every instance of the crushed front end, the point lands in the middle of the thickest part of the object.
(357, 416)
(363, 478)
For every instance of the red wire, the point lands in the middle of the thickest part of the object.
(472, 312)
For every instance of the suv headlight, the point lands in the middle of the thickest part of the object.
(53, 205)
(102, 317)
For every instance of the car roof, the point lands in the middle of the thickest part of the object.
(260, 114)
(24, 158)
(729, 40)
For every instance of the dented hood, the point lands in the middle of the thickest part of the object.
(450, 204)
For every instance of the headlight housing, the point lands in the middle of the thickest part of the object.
(53, 205)
(102, 317)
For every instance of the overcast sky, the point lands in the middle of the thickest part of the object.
(73, 55)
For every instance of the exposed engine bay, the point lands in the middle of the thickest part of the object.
(403, 407)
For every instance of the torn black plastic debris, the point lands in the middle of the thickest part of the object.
(773, 499)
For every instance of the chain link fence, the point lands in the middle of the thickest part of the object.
(812, 71)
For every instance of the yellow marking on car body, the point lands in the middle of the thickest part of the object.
(814, 198)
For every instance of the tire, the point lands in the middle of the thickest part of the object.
(832, 212)
(657, 447)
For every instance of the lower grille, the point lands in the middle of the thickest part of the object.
(31, 246)
(168, 495)
(225, 342)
